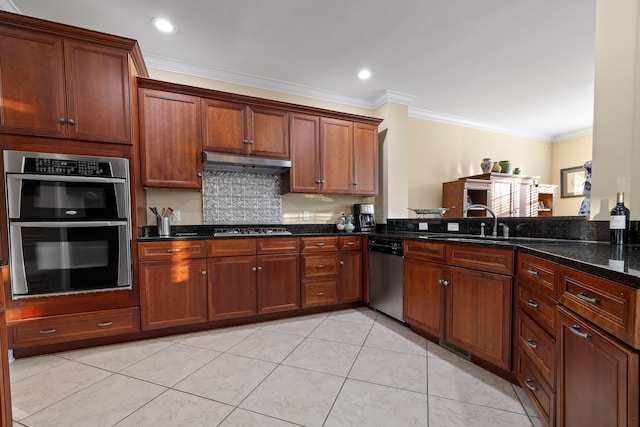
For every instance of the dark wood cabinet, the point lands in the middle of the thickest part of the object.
(462, 294)
(6, 419)
(170, 140)
(365, 159)
(173, 284)
(64, 88)
(242, 283)
(232, 127)
(232, 287)
(597, 376)
(333, 156)
(478, 314)
(424, 295)
(350, 274)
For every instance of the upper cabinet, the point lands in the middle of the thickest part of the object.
(232, 127)
(333, 156)
(170, 140)
(61, 82)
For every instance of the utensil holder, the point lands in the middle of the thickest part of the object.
(164, 226)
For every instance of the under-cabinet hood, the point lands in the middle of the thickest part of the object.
(233, 162)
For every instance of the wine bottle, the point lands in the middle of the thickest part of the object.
(619, 222)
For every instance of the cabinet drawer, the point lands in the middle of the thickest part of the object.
(319, 266)
(478, 258)
(319, 292)
(425, 251)
(231, 247)
(350, 243)
(178, 249)
(74, 327)
(278, 245)
(319, 244)
(539, 306)
(539, 271)
(541, 394)
(607, 304)
(537, 344)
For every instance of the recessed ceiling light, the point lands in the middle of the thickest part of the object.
(364, 74)
(163, 25)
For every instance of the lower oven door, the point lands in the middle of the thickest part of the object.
(50, 258)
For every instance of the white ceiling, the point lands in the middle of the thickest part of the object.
(523, 67)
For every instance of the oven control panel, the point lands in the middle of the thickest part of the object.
(66, 167)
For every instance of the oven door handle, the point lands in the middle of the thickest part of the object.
(59, 224)
(66, 178)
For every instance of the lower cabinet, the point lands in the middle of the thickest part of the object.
(467, 307)
(598, 376)
(173, 283)
(278, 280)
(350, 274)
(232, 287)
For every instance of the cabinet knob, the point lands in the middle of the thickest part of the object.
(443, 282)
(251, 141)
(71, 122)
(355, 184)
(259, 268)
(341, 263)
(62, 120)
(203, 272)
(245, 141)
(254, 269)
(318, 181)
(199, 173)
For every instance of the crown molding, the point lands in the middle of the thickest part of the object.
(193, 69)
(476, 124)
(574, 134)
(392, 96)
(8, 6)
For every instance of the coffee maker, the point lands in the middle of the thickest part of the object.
(363, 217)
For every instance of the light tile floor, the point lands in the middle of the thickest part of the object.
(346, 368)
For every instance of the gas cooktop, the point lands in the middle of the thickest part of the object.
(259, 231)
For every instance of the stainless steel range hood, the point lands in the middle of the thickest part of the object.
(237, 163)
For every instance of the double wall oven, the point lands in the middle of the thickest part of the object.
(69, 223)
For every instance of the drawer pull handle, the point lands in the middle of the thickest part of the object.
(320, 266)
(105, 324)
(576, 330)
(533, 304)
(172, 251)
(533, 272)
(319, 294)
(531, 344)
(587, 298)
(319, 244)
(528, 382)
(48, 331)
(351, 243)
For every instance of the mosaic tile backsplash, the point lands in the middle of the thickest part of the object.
(241, 198)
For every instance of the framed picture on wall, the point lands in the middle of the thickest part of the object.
(572, 181)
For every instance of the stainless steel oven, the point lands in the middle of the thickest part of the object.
(69, 223)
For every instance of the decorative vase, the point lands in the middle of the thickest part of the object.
(517, 171)
(505, 166)
(348, 227)
(496, 167)
(486, 165)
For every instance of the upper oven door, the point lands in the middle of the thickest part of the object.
(32, 197)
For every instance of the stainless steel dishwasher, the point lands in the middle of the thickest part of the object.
(385, 276)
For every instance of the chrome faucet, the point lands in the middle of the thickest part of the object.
(494, 230)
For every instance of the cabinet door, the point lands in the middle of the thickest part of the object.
(224, 126)
(336, 149)
(173, 293)
(304, 176)
(350, 265)
(98, 93)
(32, 83)
(478, 314)
(5, 384)
(365, 159)
(170, 139)
(232, 287)
(504, 200)
(278, 282)
(424, 295)
(597, 376)
(269, 136)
